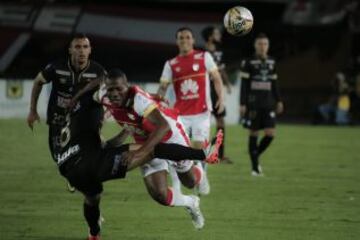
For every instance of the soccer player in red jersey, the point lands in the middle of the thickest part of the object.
(149, 122)
(190, 73)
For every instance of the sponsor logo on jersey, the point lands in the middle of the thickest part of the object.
(189, 88)
(131, 116)
(66, 155)
(195, 67)
(62, 80)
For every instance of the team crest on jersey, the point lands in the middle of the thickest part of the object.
(195, 67)
(62, 80)
(177, 69)
(131, 116)
(198, 56)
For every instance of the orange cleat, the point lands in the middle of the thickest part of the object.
(212, 156)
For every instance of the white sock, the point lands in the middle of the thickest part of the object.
(181, 200)
(176, 184)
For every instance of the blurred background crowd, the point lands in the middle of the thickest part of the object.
(316, 43)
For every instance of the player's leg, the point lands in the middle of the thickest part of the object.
(269, 120)
(220, 125)
(155, 179)
(253, 151)
(269, 134)
(82, 175)
(91, 210)
(201, 132)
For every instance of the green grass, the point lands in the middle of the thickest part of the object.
(311, 191)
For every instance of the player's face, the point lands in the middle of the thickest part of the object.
(216, 35)
(117, 91)
(262, 46)
(185, 41)
(80, 50)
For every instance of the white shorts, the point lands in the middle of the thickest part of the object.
(178, 136)
(155, 165)
(197, 126)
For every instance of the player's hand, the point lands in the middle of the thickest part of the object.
(242, 110)
(220, 106)
(71, 103)
(131, 157)
(279, 107)
(32, 118)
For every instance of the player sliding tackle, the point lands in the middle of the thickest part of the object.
(74, 134)
(150, 122)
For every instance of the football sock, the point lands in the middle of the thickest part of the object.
(178, 199)
(176, 152)
(253, 151)
(92, 216)
(198, 172)
(264, 143)
(222, 147)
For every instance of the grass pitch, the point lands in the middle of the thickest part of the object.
(311, 190)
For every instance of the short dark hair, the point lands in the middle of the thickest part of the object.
(77, 36)
(116, 73)
(261, 35)
(184, 29)
(207, 32)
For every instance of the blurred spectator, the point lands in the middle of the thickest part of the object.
(355, 102)
(336, 110)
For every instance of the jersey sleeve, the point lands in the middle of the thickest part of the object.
(166, 75)
(143, 105)
(209, 62)
(244, 69)
(48, 73)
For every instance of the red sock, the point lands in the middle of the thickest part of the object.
(197, 173)
(169, 197)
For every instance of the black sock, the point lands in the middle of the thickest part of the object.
(222, 147)
(253, 151)
(176, 152)
(92, 216)
(264, 143)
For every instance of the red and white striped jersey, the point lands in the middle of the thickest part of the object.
(133, 116)
(190, 77)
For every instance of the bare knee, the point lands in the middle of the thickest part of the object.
(187, 179)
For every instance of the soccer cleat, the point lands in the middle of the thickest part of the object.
(97, 237)
(196, 216)
(212, 150)
(257, 173)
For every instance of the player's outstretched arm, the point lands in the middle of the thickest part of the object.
(218, 84)
(33, 115)
(88, 87)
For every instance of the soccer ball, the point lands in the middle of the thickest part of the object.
(238, 21)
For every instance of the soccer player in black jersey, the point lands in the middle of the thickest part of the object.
(212, 37)
(260, 99)
(75, 119)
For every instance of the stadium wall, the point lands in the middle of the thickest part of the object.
(15, 99)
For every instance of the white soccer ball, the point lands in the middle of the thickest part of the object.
(238, 21)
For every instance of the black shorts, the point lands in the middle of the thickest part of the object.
(214, 99)
(257, 119)
(87, 173)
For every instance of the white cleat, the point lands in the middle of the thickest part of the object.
(257, 174)
(196, 216)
